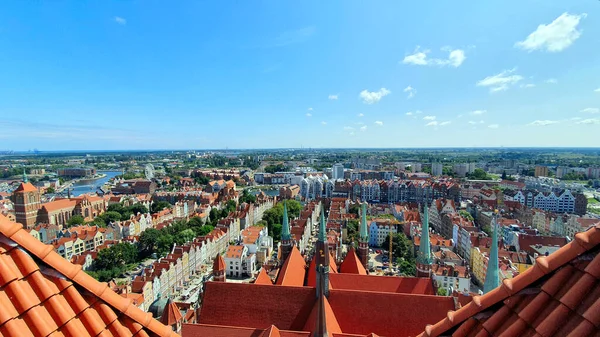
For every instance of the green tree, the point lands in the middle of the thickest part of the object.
(148, 241)
(504, 175)
(75, 220)
(159, 206)
(164, 244)
(138, 208)
(50, 190)
(246, 197)
(204, 230)
(277, 232)
(465, 215)
(111, 216)
(442, 291)
(184, 236)
(353, 232)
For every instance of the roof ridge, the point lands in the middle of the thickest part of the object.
(76, 275)
(584, 241)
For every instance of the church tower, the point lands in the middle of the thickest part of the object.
(363, 240)
(424, 259)
(322, 264)
(286, 236)
(492, 279)
(219, 267)
(26, 199)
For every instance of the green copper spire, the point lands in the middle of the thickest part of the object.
(285, 230)
(424, 255)
(25, 176)
(322, 228)
(492, 280)
(364, 235)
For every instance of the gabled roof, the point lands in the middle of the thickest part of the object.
(332, 323)
(263, 278)
(203, 330)
(171, 314)
(26, 187)
(311, 278)
(293, 270)
(558, 296)
(41, 293)
(352, 264)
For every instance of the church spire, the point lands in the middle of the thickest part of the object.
(363, 239)
(364, 235)
(285, 230)
(322, 227)
(321, 328)
(322, 262)
(424, 259)
(25, 176)
(492, 281)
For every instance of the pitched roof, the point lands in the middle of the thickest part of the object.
(42, 293)
(386, 284)
(293, 270)
(388, 314)
(219, 263)
(26, 187)
(352, 265)
(558, 296)
(263, 278)
(311, 278)
(203, 330)
(332, 324)
(293, 305)
(171, 314)
(59, 204)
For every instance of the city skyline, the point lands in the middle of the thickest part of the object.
(116, 76)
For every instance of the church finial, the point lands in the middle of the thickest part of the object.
(285, 230)
(25, 176)
(364, 235)
(322, 227)
(492, 279)
(424, 259)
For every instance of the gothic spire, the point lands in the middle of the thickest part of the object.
(424, 255)
(285, 230)
(364, 235)
(492, 280)
(322, 227)
(25, 176)
(321, 328)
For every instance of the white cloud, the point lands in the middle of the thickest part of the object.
(333, 97)
(493, 126)
(551, 81)
(575, 118)
(310, 109)
(324, 123)
(555, 36)
(445, 123)
(528, 85)
(308, 114)
(478, 112)
(411, 91)
(590, 110)
(361, 115)
(456, 57)
(501, 81)
(348, 128)
(432, 123)
(597, 90)
(590, 121)
(476, 122)
(351, 133)
(429, 118)
(363, 128)
(120, 20)
(410, 113)
(370, 97)
(542, 122)
(380, 123)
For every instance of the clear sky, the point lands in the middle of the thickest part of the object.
(266, 74)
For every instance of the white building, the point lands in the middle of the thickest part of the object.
(313, 187)
(379, 230)
(565, 203)
(436, 169)
(451, 277)
(239, 262)
(337, 171)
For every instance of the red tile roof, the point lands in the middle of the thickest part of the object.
(293, 270)
(26, 187)
(41, 294)
(311, 278)
(171, 314)
(352, 265)
(387, 284)
(332, 324)
(263, 278)
(558, 296)
(204, 330)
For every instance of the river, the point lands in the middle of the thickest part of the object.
(92, 185)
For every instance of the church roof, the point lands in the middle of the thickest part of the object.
(26, 187)
(352, 265)
(203, 330)
(332, 323)
(43, 294)
(219, 263)
(263, 278)
(293, 270)
(311, 279)
(558, 296)
(171, 314)
(386, 284)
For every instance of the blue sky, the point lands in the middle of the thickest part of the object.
(268, 74)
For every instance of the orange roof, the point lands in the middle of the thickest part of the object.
(311, 279)
(234, 252)
(352, 265)
(219, 263)
(386, 284)
(293, 270)
(558, 296)
(59, 204)
(171, 315)
(26, 187)
(332, 324)
(42, 294)
(263, 278)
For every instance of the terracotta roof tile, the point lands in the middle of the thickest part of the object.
(387, 284)
(26, 187)
(263, 278)
(293, 270)
(558, 296)
(352, 265)
(55, 297)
